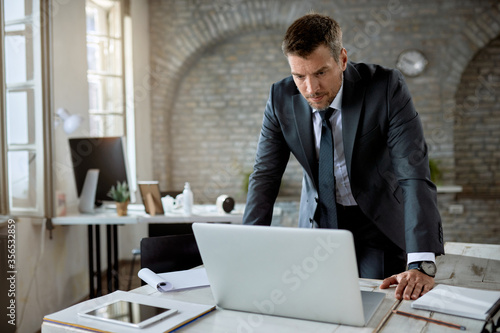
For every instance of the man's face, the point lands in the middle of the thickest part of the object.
(318, 76)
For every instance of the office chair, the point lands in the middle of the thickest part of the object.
(157, 232)
(170, 253)
(160, 229)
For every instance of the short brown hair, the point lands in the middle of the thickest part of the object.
(311, 31)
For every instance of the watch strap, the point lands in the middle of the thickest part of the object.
(418, 266)
(414, 265)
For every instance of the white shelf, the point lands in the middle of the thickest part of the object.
(449, 189)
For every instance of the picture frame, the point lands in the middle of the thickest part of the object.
(151, 197)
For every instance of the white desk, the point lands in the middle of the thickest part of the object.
(382, 321)
(237, 321)
(109, 218)
(201, 213)
(485, 251)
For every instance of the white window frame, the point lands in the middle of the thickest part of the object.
(40, 121)
(124, 109)
(107, 57)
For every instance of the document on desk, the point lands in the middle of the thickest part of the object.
(185, 312)
(459, 301)
(165, 282)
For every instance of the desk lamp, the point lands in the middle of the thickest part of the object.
(70, 122)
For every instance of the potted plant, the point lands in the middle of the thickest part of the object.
(436, 173)
(121, 195)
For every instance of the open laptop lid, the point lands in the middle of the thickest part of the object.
(292, 272)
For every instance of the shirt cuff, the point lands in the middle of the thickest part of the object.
(421, 256)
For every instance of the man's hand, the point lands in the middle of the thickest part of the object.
(410, 284)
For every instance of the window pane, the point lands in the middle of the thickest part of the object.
(113, 94)
(22, 179)
(94, 96)
(17, 9)
(91, 19)
(114, 21)
(111, 125)
(105, 94)
(20, 117)
(104, 55)
(113, 64)
(93, 56)
(15, 55)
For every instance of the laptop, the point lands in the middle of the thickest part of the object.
(291, 272)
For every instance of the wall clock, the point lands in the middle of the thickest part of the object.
(411, 62)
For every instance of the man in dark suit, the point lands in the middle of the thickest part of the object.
(379, 180)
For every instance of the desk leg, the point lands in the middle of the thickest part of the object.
(112, 248)
(91, 260)
(94, 249)
(109, 271)
(98, 259)
(115, 253)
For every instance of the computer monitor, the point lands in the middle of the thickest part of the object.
(107, 154)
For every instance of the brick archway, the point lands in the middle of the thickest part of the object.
(214, 27)
(231, 18)
(475, 35)
(477, 123)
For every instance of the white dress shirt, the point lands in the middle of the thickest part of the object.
(343, 190)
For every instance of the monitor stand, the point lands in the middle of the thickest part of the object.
(87, 197)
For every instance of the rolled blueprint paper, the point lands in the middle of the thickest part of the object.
(154, 280)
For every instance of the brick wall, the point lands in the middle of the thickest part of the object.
(212, 63)
(219, 111)
(477, 148)
(477, 124)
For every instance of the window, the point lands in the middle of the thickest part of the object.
(23, 154)
(105, 68)
(109, 73)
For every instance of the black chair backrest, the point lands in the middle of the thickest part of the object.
(170, 253)
(167, 229)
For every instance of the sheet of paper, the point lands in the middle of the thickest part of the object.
(164, 282)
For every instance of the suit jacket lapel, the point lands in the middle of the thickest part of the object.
(352, 103)
(303, 122)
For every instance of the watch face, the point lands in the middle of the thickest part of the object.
(411, 62)
(429, 268)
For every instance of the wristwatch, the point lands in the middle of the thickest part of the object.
(426, 267)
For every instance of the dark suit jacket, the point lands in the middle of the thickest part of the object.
(385, 152)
